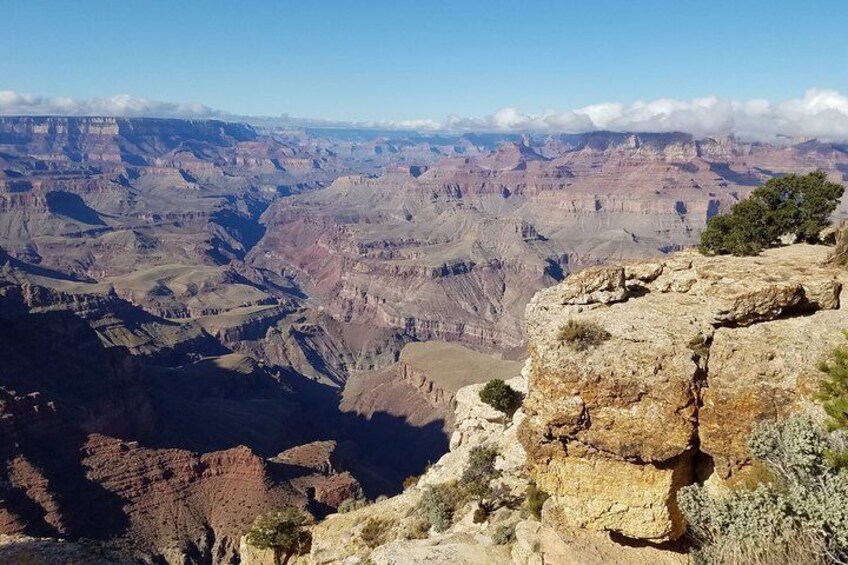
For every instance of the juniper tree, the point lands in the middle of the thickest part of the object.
(501, 396)
(281, 531)
(797, 205)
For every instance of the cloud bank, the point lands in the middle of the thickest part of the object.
(820, 113)
(17, 104)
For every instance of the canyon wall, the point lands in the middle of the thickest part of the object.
(454, 250)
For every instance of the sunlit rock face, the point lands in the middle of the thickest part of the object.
(698, 349)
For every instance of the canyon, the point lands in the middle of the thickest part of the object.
(203, 321)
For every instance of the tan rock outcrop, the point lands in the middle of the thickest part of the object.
(698, 350)
(539, 544)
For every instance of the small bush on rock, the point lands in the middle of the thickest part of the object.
(582, 335)
(480, 472)
(410, 481)
(504, 534)
(480, 515)
(833, 395)
(351, 504)
(534, 499)
(794, 205)
(417, 529)
(501, 396)
(833, 391)
(375, 532)
(439, 503)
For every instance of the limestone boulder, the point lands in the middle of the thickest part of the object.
(594, 285)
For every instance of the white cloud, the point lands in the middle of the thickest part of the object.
(819, 113)
(17, 104)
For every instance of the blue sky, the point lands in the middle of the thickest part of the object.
(399, 59)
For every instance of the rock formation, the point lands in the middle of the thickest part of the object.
(339, 538)
(698, 349)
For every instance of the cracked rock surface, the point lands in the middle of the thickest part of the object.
(698, 350)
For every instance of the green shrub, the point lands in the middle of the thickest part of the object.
(439, 503)
(504, 534)
(281, 531)
(534, 499)
(582, 335)
(375, 532)
(833, 392)
(795, 205)
(799, 518)
(480, 472)
(501, 396)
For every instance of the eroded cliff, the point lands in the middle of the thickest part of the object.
(694, 351)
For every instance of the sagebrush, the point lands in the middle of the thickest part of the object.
(439, 503)
(800, 516)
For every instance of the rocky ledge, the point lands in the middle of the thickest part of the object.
(688, 354)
